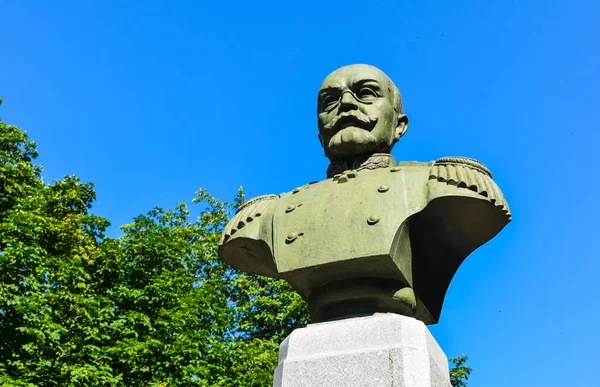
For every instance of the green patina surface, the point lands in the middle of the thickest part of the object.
(376, 235)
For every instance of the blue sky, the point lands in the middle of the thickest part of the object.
(151, 102)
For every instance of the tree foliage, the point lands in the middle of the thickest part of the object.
(459, 373)
(154, 307)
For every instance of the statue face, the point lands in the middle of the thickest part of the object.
(359, 113)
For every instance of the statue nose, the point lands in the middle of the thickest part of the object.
(348, 101)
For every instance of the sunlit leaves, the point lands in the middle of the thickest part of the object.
(459, 373)
(154, 307)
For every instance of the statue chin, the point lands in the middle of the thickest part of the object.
(352, 141)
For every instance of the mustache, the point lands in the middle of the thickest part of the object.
(356, 118)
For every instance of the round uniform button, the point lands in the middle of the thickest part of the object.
(291, 237)
(373, 219)
(290, 208)
(383, 188)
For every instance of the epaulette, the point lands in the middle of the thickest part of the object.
(255, 200)
(245, 214)
(466, 161)
(464, 172)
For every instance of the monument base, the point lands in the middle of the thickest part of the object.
(382, 350)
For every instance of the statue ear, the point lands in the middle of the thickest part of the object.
(401, 126)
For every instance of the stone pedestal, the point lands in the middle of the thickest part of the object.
(385, 350)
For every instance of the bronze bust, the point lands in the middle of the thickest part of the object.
(376, 235)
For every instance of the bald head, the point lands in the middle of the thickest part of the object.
(360, 112)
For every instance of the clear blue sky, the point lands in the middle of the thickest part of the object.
(151, 102)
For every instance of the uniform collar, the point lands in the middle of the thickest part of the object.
(375, 161)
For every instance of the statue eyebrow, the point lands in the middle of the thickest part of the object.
(337, 89)
(329, 89)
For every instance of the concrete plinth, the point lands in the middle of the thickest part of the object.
(385, 350)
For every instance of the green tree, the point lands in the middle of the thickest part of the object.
(153, 307)
(459, 373)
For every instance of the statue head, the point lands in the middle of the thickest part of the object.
(360, 113)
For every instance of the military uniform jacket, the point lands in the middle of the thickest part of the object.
(413, 223)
